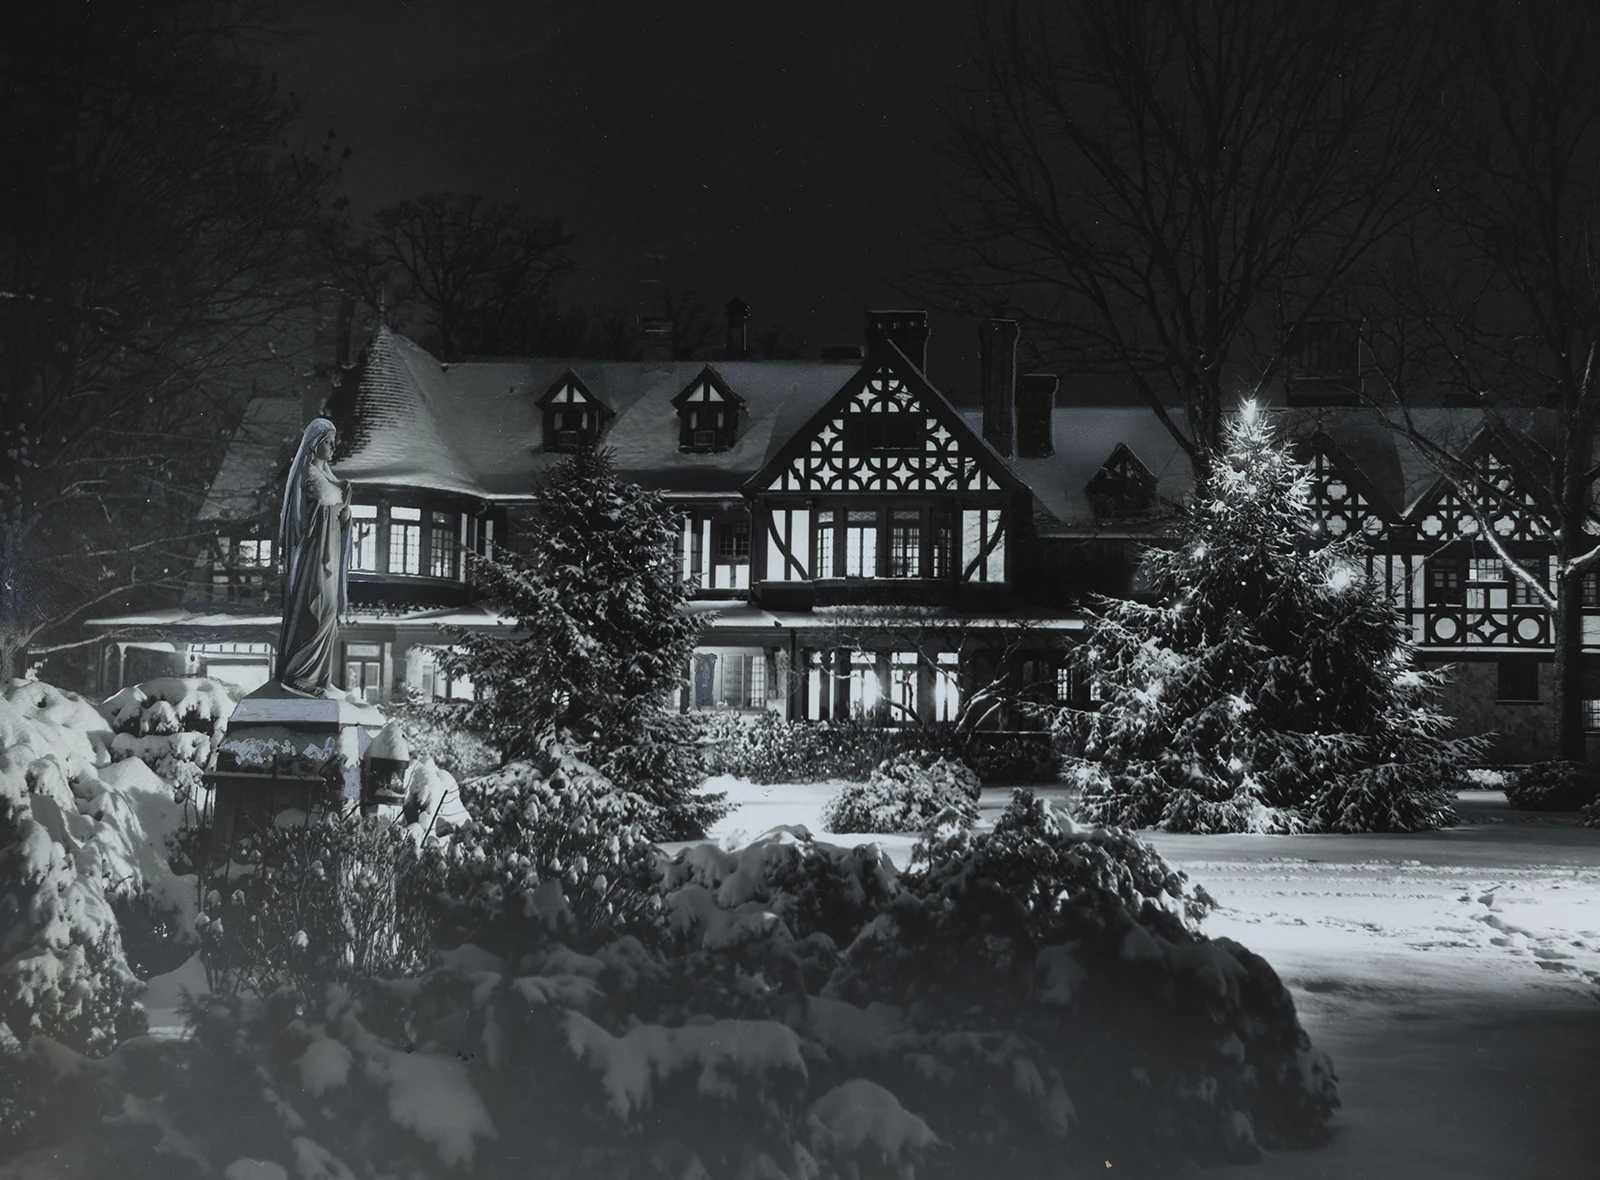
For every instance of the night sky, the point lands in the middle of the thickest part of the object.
(781, 152)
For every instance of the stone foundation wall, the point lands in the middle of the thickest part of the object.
(1523, 731)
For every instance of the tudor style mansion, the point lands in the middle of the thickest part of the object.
(861, 546)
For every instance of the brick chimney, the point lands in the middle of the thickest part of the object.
(1036, 405)
(333, 315)
(738, 316)
(997, 356)
(908, 330)
(657, 335)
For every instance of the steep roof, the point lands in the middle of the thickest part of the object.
(270, 430)
(474, 428)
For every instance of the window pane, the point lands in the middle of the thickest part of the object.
(405, 514)
(1487, 569)
(405, 548)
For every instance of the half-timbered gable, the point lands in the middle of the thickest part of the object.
(573, 417)
(886, 483)
(1342, 495)
(708, 413)
(1123, 487)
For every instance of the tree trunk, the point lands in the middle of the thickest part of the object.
(1571, 739)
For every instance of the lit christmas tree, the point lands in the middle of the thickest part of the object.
(1271, 686)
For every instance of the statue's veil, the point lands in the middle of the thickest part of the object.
(292, 526)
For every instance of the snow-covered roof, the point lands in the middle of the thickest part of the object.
(473, 427)
(271, 426)
(177, 616)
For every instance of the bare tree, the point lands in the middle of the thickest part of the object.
(1494, 302)
(1158, 189)
(477, 276)
(153, 230)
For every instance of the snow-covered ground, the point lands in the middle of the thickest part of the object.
(1453, 976)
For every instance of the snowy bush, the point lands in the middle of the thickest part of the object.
(172, 725)
(661, 763)
(1030, 1003)
(318, 901)
(1271, 687)
(67, 839)
(436, 731)
(1018, 760)
(904, 794)
(1068, 961)
(549, 844)
(1553, 786)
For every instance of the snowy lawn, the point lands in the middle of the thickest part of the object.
(1453, 976)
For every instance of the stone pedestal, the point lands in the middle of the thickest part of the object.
(286, 750)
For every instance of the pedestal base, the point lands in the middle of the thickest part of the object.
(284, 750)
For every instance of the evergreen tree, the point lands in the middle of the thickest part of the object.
(1270, 686)
(598, 642)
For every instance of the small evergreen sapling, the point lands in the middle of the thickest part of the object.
(599, 640)
(1270, 686)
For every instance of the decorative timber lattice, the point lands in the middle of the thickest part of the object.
(1445, 516)
(1343, 509)
(884, 439)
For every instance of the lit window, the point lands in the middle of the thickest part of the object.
(364, 538)
(756, 681)
(939, 553)
(946, 686)
(1486, 569)
(405, 540)
(824, 547)
(1591, 716)
(442, 546)
(903, 685)
(362, 670)
(1591, 591)
(1063, 685)
(865, 689)
(905, 545)
(861, 545)
(250, 552)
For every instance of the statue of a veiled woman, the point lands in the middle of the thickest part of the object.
(314, 539)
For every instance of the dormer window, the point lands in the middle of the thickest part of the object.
(1122, 488)
(708, 414)
(573, 417)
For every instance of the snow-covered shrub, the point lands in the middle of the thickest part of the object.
(549, 844)
(735, 1039)
(813, 888)
(62, 970)
(777, 751)
(904, 794)
(1553, 786)
(1271, 686)
(1067, 959)
(311, 902)
(171, 724)
(435, 731)
(155, 939)
(661, 762)
(1017, 761)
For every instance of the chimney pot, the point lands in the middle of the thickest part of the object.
(907, 329)
(738, 316)
(997, 353)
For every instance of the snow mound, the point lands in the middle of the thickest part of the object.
(169, 703)
(861, 1118)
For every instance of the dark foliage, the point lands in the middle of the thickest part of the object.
(598, 639)
(1553, 786)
